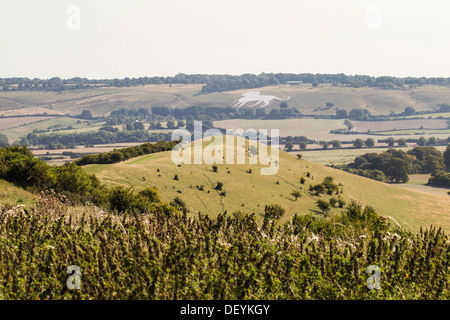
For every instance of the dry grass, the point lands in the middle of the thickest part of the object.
(365, 126)
(305, 98)
(6, 123)
(254, 191)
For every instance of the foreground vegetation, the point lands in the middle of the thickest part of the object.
(133, 245)
(169, 255)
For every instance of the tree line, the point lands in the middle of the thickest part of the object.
(217, 83)
(61, 140)
(123, 154)
(395, 165)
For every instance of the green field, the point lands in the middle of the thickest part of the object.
(418, 182)
(415, 132)
(343, 156)
(250, 192)
(316, 129)
(14, 134)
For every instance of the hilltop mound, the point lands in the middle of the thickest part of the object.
(249, 191)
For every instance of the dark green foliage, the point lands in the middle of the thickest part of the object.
(447, 157)
(178, 202)
(302, 145)
(126, 153)
(323, 205)
(3, 141)
(348, 124)
(85, 114)
(359, 114)
(390, 142)
(370, 142)
(341, 114)
(302, 180)
(358, 143)
(93, 137)
(336, 143)
(219, 186)
(169, 255)
(151, 194)
(327, 186)
(176, 177)
(273, 211)
(296, 194)
(289, 146)
(215, 168)
(395, 165)
(440, 179)
(124, 200)
(334, 202)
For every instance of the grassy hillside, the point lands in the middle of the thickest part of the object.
(304, 97)
(12, 195)
(250, 192)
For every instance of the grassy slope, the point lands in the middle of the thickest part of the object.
(255, 191)
(304, 97)
(11, 195)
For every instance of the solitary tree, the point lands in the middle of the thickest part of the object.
(296, 194)
(358, 143)
(391, 142)
(422, 141)
(303, 145)
(336, 143)
(323, 205)
(370, 142)
(401, 142)
(289, 146)
(409, 111)
(86, 114)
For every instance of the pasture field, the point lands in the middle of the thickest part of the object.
(7, 123)
(79, 125)
(442, 133)
(101, 101)
(250, 192)
(418, 182)
(377, 126)
(312, 128)
(429, 115)
(316, 129)
(344, 156)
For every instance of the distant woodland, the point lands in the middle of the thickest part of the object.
(218, 83)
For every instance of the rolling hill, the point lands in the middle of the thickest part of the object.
(304, 97)
(250, 192)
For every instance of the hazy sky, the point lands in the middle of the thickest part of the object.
(133, 38)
